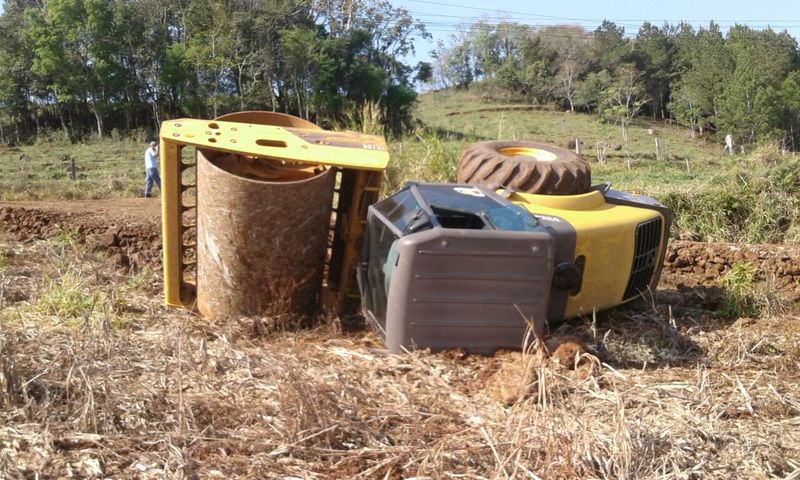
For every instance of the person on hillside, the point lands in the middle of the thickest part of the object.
(728, 144)
(151, 168)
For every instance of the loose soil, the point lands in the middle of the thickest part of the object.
(664, 390)
(130, 231)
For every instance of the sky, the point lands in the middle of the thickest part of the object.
(442, 17)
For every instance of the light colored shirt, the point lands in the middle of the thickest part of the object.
(150, 158)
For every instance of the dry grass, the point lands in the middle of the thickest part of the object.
(145, 392)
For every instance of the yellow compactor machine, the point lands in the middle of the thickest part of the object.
(285, 216)
(267, 206)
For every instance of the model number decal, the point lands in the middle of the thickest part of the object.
(372, 146)
(547, 218)
(469, 191)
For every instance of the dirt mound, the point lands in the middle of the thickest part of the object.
(696, 263)
(129, 230)
(509, 376)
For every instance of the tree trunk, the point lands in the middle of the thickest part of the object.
(71, 123)
(308, 100)
(156, 119)
(299, 103)
(239, 87)
(215, 101)
(63, 121)
(99, 117)
(625, 141)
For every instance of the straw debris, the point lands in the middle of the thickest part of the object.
(126, 388)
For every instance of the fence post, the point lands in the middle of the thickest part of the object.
(72, 173)
(577, 146)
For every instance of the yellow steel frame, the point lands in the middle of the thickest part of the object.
(358, 156)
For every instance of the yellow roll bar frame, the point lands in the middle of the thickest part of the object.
(360, 159)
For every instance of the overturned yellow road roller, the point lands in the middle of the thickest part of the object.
(273, 214)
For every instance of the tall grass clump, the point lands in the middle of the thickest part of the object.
(755, 199)
(745, 297)
(67, 297)
(426, 158)
(74, 288)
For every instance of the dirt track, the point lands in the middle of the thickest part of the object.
(129, 229)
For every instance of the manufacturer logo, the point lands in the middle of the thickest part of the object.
(547, 218)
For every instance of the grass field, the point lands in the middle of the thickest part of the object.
(752, 197)
(458, 118)
(108, 168)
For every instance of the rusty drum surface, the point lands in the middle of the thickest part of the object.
(261, 234)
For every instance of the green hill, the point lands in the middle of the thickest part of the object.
(742, 198)
(459, 117)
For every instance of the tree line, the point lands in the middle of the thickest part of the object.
(92, 66)
(85, 67)
(745, 83)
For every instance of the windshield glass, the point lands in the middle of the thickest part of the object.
(511, 217)
(400, 209)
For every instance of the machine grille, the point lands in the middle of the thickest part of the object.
(648, 238)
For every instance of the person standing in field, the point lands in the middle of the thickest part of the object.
(151, 168)
(728, 144)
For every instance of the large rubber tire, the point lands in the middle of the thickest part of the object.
(528, 167)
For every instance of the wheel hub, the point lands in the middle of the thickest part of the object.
(537, 153)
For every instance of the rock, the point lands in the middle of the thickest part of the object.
(137, 260)
(565, 349)
(103, 240)
(681, 262)
(119, 259)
